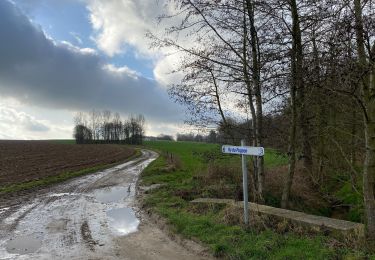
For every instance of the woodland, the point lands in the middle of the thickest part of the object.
(297, 76)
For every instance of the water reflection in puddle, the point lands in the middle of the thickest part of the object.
(113, 194)
(23, 245)
(123, 220)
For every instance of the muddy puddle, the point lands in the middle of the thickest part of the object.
(23, 245)
(123, 220)
(112, 194)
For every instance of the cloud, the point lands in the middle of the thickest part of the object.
(11, 116)
(121, 71)
(19, 121)
(16, 124)
(123, 25)
(36, 70)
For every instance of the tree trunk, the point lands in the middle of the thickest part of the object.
(322, 123)
(305, 130)
(369, 165)
(259, 161)
(369, 175)
(368, 101)
(292, 149)
(353, 138)
(296, 93)
(300, 87)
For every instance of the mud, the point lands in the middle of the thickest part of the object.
(87, 237)
(92, 217)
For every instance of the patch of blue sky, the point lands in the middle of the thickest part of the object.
(133, 61)
(69, 20)
(63, 21)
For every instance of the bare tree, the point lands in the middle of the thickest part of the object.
(228, 63)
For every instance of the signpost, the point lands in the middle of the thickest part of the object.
(243, 151)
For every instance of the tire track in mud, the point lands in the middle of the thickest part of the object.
(87, 237)
(104, 181)
(15, 222)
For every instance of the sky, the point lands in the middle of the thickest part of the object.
(58, 57)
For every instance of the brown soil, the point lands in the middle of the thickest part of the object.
(22, 161)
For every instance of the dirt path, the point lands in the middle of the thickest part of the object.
(92, 217)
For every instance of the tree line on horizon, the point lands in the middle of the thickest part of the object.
(211, 137)
(105, 127)
(292, 74)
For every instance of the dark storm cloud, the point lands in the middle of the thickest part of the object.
(34, 69)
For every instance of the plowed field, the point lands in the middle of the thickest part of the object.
(22, 161)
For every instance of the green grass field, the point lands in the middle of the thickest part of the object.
(228, 240)
(63, 141)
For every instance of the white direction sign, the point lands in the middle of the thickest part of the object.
(243, 150)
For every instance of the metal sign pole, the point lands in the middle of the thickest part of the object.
(245, 191)
(243, 151)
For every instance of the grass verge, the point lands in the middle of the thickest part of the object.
(208, 224)
(60, 177)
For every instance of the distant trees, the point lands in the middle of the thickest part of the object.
(186, 137)
(106, 127)
(212, 137)
(164, 137)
